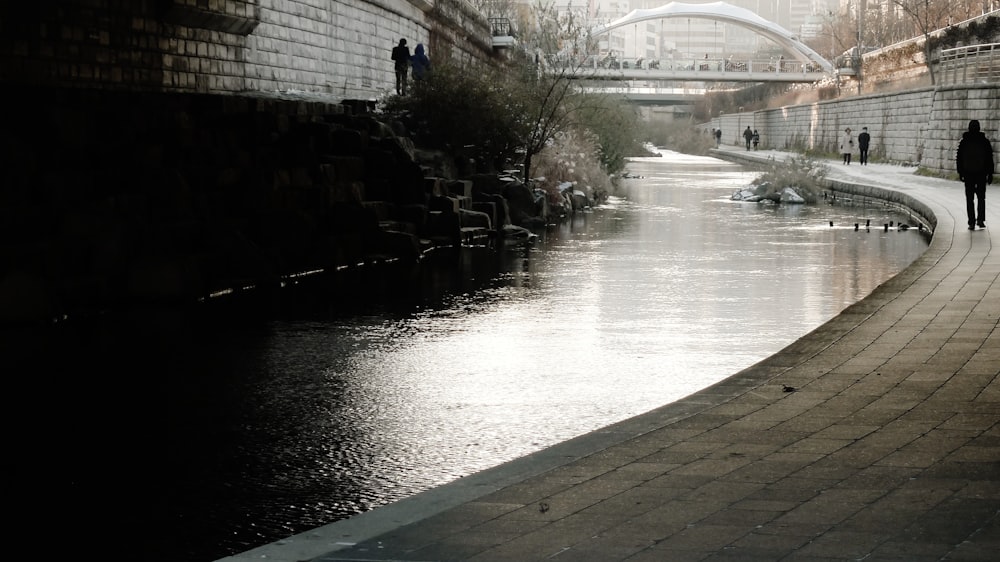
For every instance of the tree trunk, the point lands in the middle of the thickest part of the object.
(927, 58)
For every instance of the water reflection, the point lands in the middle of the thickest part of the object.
(266, 429)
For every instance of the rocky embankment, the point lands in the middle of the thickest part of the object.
(114, 200)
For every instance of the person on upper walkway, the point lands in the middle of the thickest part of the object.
(974, 163)
(401, 58)
(421, 64)
(748, 136)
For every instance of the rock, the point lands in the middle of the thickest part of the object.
(789, 195)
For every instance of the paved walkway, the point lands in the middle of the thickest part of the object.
(875, 437)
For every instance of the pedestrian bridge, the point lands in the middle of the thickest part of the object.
(803, 64)
(701, 70)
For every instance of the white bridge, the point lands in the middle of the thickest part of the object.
(803, 63)
(699, 70)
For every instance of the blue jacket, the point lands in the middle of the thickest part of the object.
(421, 64)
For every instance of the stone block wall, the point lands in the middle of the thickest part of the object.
(950, 113)
(920, 127)
(335, 48)
(896, 122)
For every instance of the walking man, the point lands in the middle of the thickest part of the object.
(864, 139)
(974, 163)
(401, 57)
(748, 136)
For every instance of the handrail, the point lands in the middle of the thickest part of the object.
(501, 27)
(695, 64)
(972, 64)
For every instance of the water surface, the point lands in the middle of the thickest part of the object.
(207, 438)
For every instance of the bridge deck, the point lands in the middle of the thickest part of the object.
(696, 75)
(688, 70)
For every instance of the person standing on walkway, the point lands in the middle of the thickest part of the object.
(748, 136)
(864, 139)
(756, 139)
(401, 57)
(718, 137)
(847, 145)
(974, 163)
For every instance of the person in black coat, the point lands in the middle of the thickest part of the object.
(974, 163)
(401, 58)
(864, 139)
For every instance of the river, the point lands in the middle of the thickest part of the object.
(199, 438)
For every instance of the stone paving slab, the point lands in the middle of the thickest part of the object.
(875, 437)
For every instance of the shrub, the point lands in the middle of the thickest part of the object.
(801, 173)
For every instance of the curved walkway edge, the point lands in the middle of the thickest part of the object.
(874, 437)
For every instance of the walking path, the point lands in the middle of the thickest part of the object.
(875, 437)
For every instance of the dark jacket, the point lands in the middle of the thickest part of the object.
(975, 156)
(421, 64)
(863, 140)
(401, 54)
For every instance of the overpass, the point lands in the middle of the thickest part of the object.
(641, 95)
(725, 13)
(689, 70)
(803, 65)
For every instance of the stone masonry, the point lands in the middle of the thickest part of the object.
(230, 46)
(917, 127)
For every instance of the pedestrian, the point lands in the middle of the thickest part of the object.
(864, 139)
(748, 136)
(401, 58)
(847, 145)
(756, 139)
(974, 163)
(421, 64)
(718, 138)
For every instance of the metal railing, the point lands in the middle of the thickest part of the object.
(715, 64)
(973, 64)
(501, 27)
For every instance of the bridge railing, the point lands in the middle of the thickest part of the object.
(714, 64)
(501, 27)
(972, 64)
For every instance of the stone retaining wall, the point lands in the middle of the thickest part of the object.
(920, 127)
(337, 48)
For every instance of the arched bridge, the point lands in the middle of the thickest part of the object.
(805, 64)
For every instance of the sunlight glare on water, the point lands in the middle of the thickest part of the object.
(664, 290)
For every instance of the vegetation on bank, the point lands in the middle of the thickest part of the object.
(494, 120)
(679, 136)
(801, 174)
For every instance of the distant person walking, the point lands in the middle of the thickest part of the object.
(718, 137)
(756, 139)
(421, 64)
(864, 139)
(401, 58)
(974, 163)
(748, 136)
(847, 145)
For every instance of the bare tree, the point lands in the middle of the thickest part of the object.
(496, 8)
(928, 16)
(550, 93)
